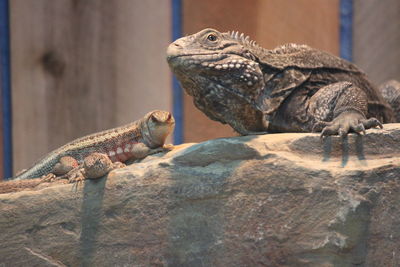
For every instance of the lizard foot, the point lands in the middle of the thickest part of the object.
(75, 176)
(158, 150)
(346, 122)
(118, 165)
(48, 178)
(168, 147)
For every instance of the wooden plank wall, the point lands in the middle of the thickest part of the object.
(270, 23)
(82, 66)
(1, 144)
(377, 38)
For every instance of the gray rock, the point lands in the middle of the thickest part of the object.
(271, 200)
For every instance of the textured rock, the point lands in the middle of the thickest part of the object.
(272, 200)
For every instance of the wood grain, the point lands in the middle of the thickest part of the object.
(376, 46)
(83, 66)
(1, 144)
(270, 23)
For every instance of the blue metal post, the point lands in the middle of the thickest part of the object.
(346, 29)
(177, 90)
(5, 85)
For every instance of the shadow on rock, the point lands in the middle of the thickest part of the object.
(91, 214)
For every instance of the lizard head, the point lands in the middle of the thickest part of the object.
(210, 62)
(158, 125)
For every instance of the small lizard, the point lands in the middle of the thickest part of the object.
(95, 155)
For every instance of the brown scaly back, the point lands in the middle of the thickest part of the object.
(296, 55)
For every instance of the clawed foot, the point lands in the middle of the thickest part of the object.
(346, 122)
(48, 178)
(164, 148)
(168, 147)
(76, 176)
(118, 165)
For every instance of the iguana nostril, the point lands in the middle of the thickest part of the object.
(173, 50)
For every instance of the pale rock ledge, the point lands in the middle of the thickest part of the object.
(271, 200)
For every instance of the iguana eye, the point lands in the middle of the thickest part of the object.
(212, 37)
(154, 118)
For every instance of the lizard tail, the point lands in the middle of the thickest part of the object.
(44, 166)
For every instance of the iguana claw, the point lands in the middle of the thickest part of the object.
(346, 122)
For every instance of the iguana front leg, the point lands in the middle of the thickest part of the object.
(340, 108)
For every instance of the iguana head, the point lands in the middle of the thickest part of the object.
(156, 126)
(210, 62)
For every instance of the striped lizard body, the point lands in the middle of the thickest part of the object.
(132, 141)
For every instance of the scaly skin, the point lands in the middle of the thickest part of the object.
(293, 88)
(132, 141)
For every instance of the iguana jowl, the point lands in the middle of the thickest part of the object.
(293, 88)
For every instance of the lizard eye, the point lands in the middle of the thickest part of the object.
(212, 37)
(154, 118)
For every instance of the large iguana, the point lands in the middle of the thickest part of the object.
(293, 88)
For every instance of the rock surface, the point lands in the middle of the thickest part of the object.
(272, 200)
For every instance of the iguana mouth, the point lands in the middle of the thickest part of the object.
(203, 59)
(210, 57)
(171, 57)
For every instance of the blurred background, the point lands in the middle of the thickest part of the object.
(74, 67)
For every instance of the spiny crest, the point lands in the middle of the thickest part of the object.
(243, 39)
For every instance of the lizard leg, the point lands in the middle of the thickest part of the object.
(118, 164)
(168, 147)
(164, 148)
(97, 165)
(62, 167)
(159, 150)
(141, 150)
(340, 108)
(94, 166)
(76, 175)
